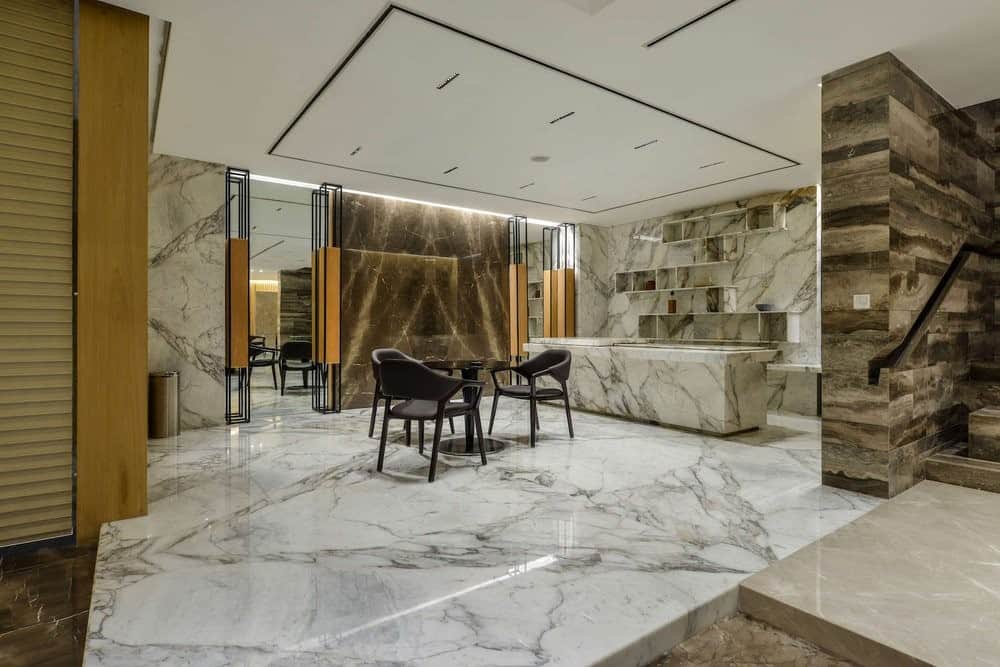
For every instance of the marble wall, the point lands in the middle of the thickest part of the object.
(906, 180)
(187, 282)
(429, 281)
(778, 268)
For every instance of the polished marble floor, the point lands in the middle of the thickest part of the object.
(914, 582)
(277, 543)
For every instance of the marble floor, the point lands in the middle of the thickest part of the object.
(914, 582)
(277, 543)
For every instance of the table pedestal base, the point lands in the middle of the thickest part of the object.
(457, 446)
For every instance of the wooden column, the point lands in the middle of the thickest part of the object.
(517, 280)
(111, 266)
(565, 302)
(238, 302)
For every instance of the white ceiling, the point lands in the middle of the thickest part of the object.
(239, 71)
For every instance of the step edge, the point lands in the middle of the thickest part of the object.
(822, 632)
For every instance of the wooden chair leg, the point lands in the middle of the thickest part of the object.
(438, 423)
(533, 418)
(385, 436)
(371, 426)
(479, 434)
(569, 417)
(420, 435)
(493, 411)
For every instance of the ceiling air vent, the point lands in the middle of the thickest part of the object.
(712, 164)
(448, 171)
(444, 83)
(589, 198)
(562, 117)
(648, 143)
(356, 151)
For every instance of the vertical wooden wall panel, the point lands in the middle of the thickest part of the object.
(238, 302)
(549, 319)
(326, 305)
(566, 302)
(518, 296)
(112, 227)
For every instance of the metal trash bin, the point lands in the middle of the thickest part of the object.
(164, 404)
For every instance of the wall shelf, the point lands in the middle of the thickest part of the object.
(668, 290)
(743, 326)
(727, 224)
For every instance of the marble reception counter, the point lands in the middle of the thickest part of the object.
(711, 388)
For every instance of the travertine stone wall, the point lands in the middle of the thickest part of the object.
(906, 180)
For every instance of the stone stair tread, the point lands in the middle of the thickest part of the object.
(986, 413)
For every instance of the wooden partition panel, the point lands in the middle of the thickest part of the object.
(518, 295)
(326, 305)
(565, 302)
(549, 319)
(238, 302)
(111, 353)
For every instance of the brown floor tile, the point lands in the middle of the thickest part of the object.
(56, 644)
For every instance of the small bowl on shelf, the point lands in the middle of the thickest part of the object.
(764, 307)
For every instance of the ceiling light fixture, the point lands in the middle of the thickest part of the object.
(356, 151)
(712, 164)
(526, 185)
(315, 186)
(588, 198)
(687, 24)
(648, 143)
(447, 81)
(562, 117)
(448, 171)
(540, 158)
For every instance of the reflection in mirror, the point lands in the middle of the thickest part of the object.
(280, 300)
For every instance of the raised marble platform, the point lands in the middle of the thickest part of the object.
(916, 581)
(712, 388)
(276, 543)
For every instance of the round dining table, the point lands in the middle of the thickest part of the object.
(470, 370)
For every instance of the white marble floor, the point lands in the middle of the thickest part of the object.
(277, 544)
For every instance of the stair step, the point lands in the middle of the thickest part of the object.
(954, 466)
(980, 394)
(985, 371)
(984, 434)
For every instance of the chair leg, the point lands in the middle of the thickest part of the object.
(451, 424)
(274, 377)
(282, 380)
(569, 417)
(434, 451)
(493, 411)
(371, 427)
(538, 423)
(409, 432)
(533, 418)
(479, 436)
(385, 436)
(420, 435)
(305, 379)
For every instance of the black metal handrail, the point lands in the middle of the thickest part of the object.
(898, 354)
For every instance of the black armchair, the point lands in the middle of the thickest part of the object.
(551, 363)
(425, 394)
(295, 355)
(262, 356)
(378, 356)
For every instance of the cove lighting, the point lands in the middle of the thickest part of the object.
(315, 186)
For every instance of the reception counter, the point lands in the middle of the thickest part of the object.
(712, 388)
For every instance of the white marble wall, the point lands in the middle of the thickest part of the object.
(187, 281)
(777, 268)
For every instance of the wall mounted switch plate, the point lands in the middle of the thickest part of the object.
(862, 301)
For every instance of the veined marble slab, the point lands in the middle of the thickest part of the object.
(276, 543)
(717, 390)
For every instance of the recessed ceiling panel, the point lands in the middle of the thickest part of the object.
(425, 102)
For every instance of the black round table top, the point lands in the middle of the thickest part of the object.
(462, 364)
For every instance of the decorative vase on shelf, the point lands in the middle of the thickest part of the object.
(671, 304)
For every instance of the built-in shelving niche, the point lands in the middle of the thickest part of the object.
(535, 321)
(700, 253)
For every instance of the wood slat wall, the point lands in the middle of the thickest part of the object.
(36, 269)
(112, 230)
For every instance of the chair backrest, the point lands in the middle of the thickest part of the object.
(409, 379)
(556, 362)
(296, 350)
(260, 341)
(381, 354)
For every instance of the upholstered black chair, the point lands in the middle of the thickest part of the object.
(424, 394)
(550, 363)
(262, 356)
(378, 356)
(295, 355)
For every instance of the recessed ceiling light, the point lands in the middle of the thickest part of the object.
(356, 151)
(540, 158)
(648, 143)
(447, 81)
(588, 198)
(819, 85)
(712, 164)
(277, 210)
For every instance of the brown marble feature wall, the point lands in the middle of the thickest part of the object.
(295, 309)
(429, 281)
(906, 180)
